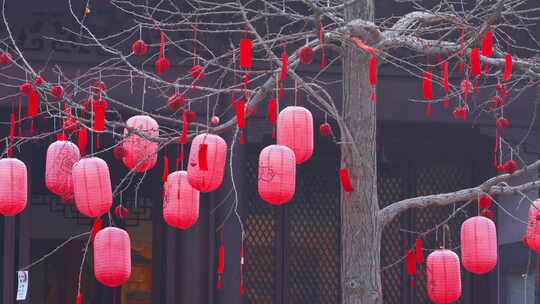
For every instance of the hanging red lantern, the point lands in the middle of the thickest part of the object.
(92, 186)
(207, 178)
(502, 122)
(325, 129)
(121, 212)
(175, 102)
(295, 130)
(214, 121)
(484, 201)
(70, 124)
(277, 174)
(497, 102)
(13, 186)
(307, 55)
(162, 64)
(61, 156)
(39, 80)
(112, 256)
(140, 153)
(99, 87)
(532, 234)
(26, 88)
(479, 244)
(180, 201)
(511, 166)
(443, 276)
(191, 116)
(5, 58)
(197, 72)
(57, 91)
(139, 47)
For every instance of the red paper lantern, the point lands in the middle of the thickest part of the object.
(5, 58)
(307, 55)
(212, 158)
(140, 153)
(295, 130)
(162, 65)
(139, 47)
(443, 276)
(99, 87)
(532, 235)
(57, 91)
(479, 244)
(277, 174)
(214, 121)
(92, 186)
(175, 102)
(180, 201)
(325, 129)
(39, 80)
(61, 156)
(197, 72)
(13, 186)
(26, 88)
(112, 256)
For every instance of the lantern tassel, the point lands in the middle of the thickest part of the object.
(203, 162)
(476, 68)
(411, 263)
(98, 224)
(428, 85)
(79, 298)
(11, 134)
(419, 251)
(240, 114)
(221, 264)
(82, 139)
(272, 111)
(246, 53)
(345, 180)
(242, 139)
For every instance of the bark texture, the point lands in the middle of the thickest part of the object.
(361, 228)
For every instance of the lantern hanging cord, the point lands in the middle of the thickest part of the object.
(43, 258)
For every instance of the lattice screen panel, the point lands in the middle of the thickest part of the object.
(261, 267)
(313, 242)
(431, 180)
(392, 186)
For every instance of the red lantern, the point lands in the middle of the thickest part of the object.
(532, 235)
(162, 65)
(99, 87)
(175, 102)
(443, 276)
(57, 91)
(277, 174)
(139, 47)
(214, 121)
(39, 80)
(325, 129)
(13, 186)
(92, 186)
(5, 58)
(479, 244)
(26, 88)
(112, 256)
(295, 130)
(180, 201)
(197, 72)
(307, 55)
(206, 164)
(140, 153)
(61, 156)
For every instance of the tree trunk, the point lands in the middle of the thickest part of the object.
(361, 229)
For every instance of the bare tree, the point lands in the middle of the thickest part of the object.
(345, 34)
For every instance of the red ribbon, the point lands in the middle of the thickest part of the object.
(428, 85)
(33, 104)
(246, 53)
(476, 69)
(241, 114)
(411, 263)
